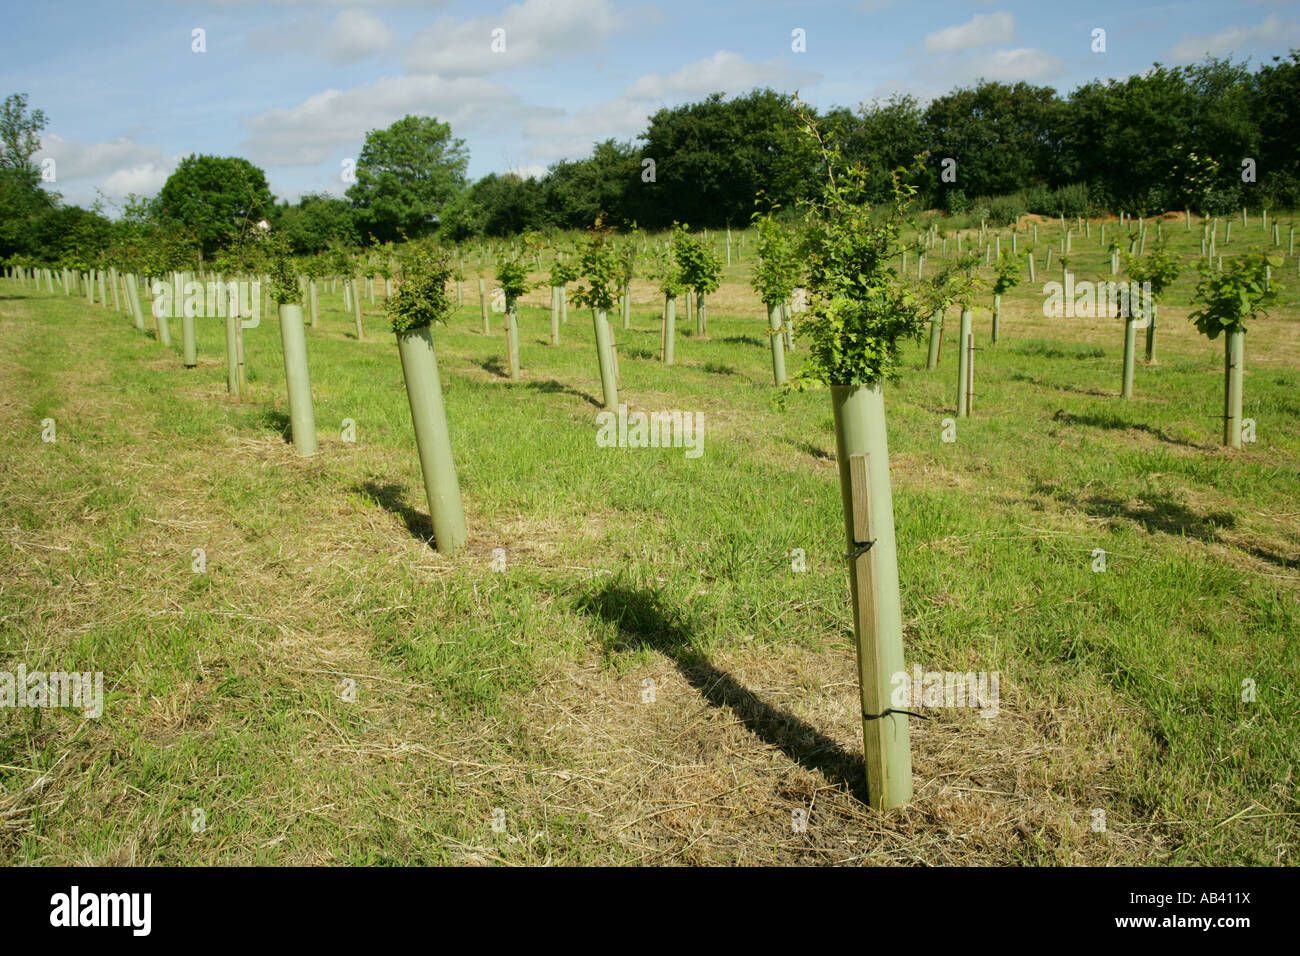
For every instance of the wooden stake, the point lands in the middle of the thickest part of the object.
(970, 373)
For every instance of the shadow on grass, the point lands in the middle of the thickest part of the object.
(392, 497)
(1075, 389)
(493, 366)
(1291, 563)
(276, 421)
(717, 368)
(645, 622)
(1048, 351)
(741, 340)
(1112, 421)
(808, 448)
(552, 387)
(1162, 513)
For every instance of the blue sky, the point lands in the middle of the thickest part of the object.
(294, 86)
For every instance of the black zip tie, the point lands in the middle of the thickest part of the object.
(861, 548)
(890, 710)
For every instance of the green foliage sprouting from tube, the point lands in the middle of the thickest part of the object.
(421, 299)
(859, 308)
(601, 269)
(777, 272)
(1231, 297)
(280, 266)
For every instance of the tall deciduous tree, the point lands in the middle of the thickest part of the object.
(21, 196)
(406, 174)
(1274, 105)
(20, 135)
(315, 220)
(880, 136)
(217, 197)
(713, 157)
(1002, 136)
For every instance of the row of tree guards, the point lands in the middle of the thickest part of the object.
(422, 300)
(859, 310)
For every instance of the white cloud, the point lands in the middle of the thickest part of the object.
(1025, 63)
(1271, 32)
(535, 30)
(320, 125)
(81, 160)
(355, 35)
(145, 179)
(982, 29)
(117, 167)
(724, 72)
(351, 36)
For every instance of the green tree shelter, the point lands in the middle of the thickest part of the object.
(700, 270)
(602, 271)
(1158, 269)
(859, 310)
(775, 276)
(1229, 299)
(419, 302)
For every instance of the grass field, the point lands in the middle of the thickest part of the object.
(228, 736)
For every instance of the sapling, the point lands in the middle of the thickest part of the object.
(626, 272)
(1156, 271)
(701, 269)
(600, 268)
(562, 273)
(314, 268)
(287, 294)
(955, 282)
(457, 273)
(513, 276)
(775, 277)
(1008, 277)
(859, 308)
(387, 266)
(1228, 300)
(667, 274)
(419, 302)
(340, 266)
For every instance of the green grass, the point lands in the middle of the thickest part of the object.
(521, 690)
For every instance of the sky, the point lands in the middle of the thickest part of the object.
(294, 86)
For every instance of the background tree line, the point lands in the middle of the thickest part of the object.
(1169, 138)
